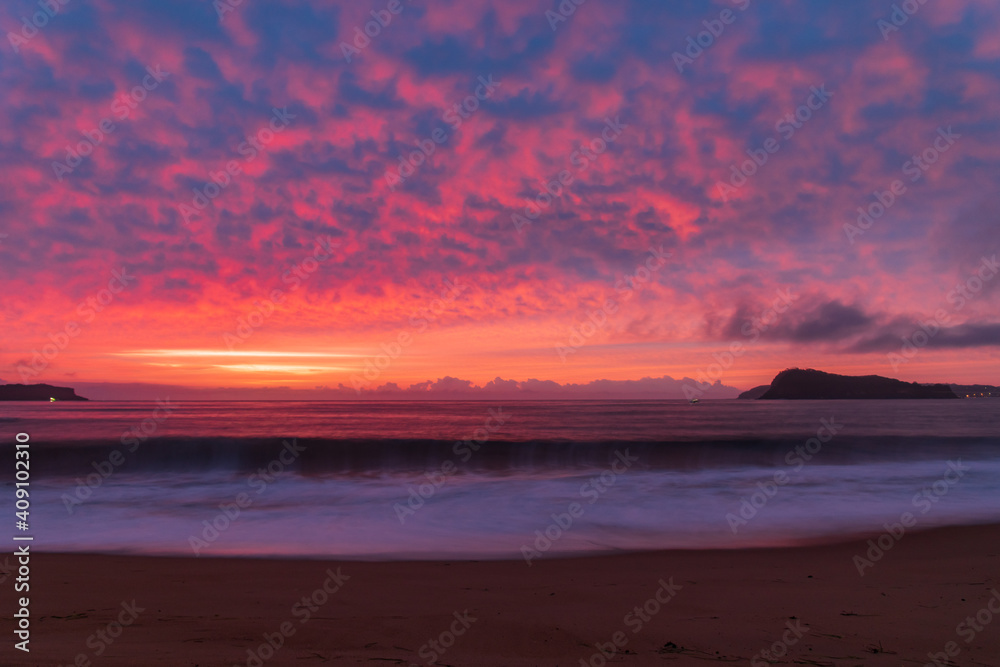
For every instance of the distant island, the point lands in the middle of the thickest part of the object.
(976, 390)
(37, 392)
(755, 393)
(810, 384)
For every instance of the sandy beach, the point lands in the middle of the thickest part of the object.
(803, 605)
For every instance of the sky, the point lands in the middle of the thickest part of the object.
(238, 198)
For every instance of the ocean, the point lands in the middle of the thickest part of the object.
(481, 480)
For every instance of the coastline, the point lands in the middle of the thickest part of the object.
(715, 606)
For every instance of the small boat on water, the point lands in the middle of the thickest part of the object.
(695, 400)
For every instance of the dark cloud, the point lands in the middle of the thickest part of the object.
(964, 336)
(831, 321)
(827, 322)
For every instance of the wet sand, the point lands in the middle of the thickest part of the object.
(803, 605)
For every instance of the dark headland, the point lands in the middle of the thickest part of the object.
(37, 392)
(755, 393)
(797, 383)
(976, 390)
